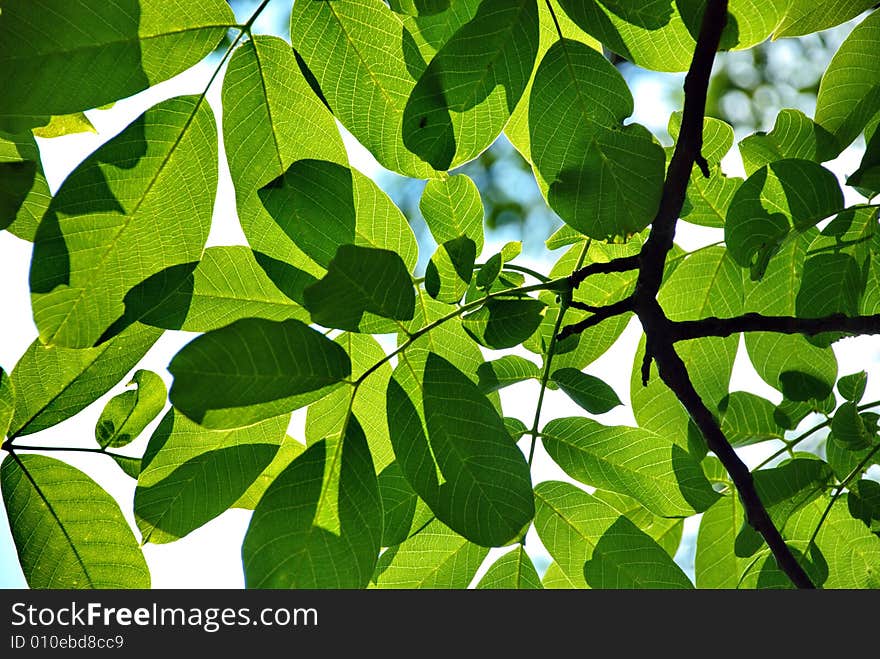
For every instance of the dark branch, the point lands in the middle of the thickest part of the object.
(624, 264)
(753, 322)
(600, 314)
(674, 373)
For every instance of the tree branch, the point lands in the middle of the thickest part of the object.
(651, 262)
(599, 314)
(624, 264)
(754, 322)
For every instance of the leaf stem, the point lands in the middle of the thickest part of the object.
(545, 374)
(834, 497)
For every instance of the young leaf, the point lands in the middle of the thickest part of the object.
(588, 391)
(806, 17)
(848, 93)
(850, 430)
(319, 524)
(53, 509)
(53, 383)
(506, 371)
(435, 557)
(125, 416)
(190, 474)
(452, 207)
(852, 387)
(465, 467)
(513, 571)
(450, 269)
(358, 280)
(153, 184)
(659, 474)
(253, 370)
(502, 324)
(59, 58)
(626, 557)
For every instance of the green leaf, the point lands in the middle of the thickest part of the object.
(227, 284)
(450, 269)
(866, 179)
(154, 181)
(852, 387)
(419, 7)
(502, 324)
(65, 124)
(506, 371)
(790, 364)
(465, 95)
(603, 178)
(326, 417)
(319, 524)
(556, 579)
(784, 490)
(53, 383)
(404, 513)
(358, 280)
(659, 41)
(7, 402)
(652, 469)
(189, 475)
(515, 428)
(59, 58)
(665, 531)
(125, 416)
(570, 523)
(842, 459)
(53, 509)
(850, 430)
(748, 419)
(864, 502)
(130, 466)
(780, 197)
(24, 192)
(794, 135)
(716, 565)
(513, 571)
(272, 119)
(588, 391)
(626, 557)
(366, 44)
(436, 557)
(452, 207)
(465, 466)
(289, 450)
(847, 547)
(253, 370)
(805, 16)
(489, 271)
(849, 94)
(320, 206)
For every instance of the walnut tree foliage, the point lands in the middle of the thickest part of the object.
(410, 468)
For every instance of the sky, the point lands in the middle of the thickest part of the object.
(210, 556)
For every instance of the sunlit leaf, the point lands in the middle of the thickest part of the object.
(125, 416)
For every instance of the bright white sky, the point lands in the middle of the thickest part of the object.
(210, 556)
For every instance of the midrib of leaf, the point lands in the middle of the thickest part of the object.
(701, 194)
(565, 519)
(659, 481)
(439, 472)
(113, 42)
(268, 106)
(57, 519)
(363, 61)
(450, 556)
(130, 216)
(616, 180)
